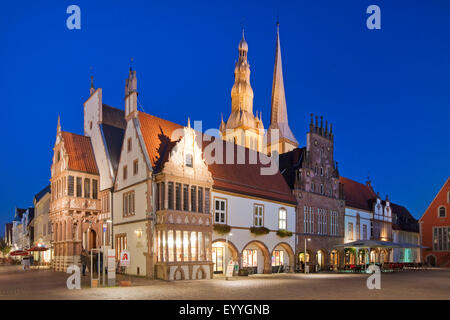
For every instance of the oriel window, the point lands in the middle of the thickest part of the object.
(94, 189)
(185, 197)
(170, 195)
(71, 186)
(178, 196)
(193, 198)
(87, 188)
(200, 199)
(79, 187)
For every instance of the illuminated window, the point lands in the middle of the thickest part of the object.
(277, 258)
(282, 219)
(170, 243)
(194, 246)
(186, 245)
(350, 231)
(121, 243)
(250, 258)
(178, 246)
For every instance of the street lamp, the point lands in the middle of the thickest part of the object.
(304, 255)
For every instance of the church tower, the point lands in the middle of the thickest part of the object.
(279, 136)
(243, 127)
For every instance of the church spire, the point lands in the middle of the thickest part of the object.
(279, 118)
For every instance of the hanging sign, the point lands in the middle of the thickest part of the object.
(125, 258)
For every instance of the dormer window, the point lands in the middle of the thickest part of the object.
(189, 160)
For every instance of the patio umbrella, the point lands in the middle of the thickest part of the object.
(17, 253)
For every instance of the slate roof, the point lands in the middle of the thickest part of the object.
(289, 163)
(239, 178)
(18, 214)
(402, 219)
(80, 152)
(42, 193)
(113, 117)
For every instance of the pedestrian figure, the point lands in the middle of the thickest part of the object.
(84, 261)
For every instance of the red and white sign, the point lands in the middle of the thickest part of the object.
(125, 258)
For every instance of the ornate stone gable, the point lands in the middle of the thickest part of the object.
(186, 160)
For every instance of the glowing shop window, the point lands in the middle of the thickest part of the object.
(170, 243)
(164, 258)
(277, 258)
(178, 244)
(186, 245)
(250, 258)
(194, 246)
(159, 246)
(201, 253)
(217, 258)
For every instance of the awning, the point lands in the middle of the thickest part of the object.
(37, 248)
(367, 244)
(376, 244)
(17, 253)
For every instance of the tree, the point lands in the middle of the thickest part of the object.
(4, 248)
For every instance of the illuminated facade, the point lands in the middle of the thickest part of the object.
(279, 137)
(243, 127)
(74, 204)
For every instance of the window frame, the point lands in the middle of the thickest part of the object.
(282, 220)
(258, 214)
(221, 212)
(439, 212)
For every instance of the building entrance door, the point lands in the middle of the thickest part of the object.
(217, 258)
(92, 239)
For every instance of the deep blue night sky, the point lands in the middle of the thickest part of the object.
(387, 92)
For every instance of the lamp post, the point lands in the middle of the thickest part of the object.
(304, 255)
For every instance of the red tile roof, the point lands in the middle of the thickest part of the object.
(357, 195)
(80, 152)
(238, 178)
(247, 178)
(154, 130)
